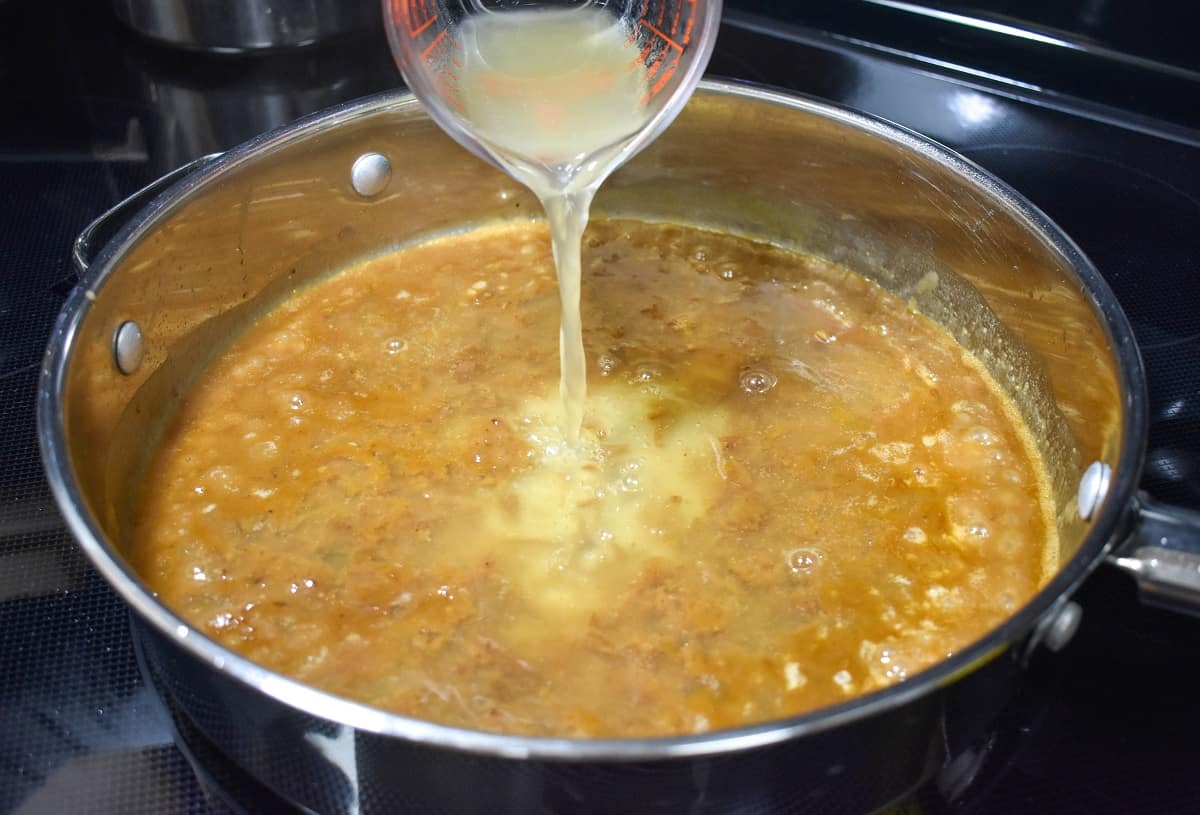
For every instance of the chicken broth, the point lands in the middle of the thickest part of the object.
(789, 488)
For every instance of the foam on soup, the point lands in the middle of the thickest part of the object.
(789, 488)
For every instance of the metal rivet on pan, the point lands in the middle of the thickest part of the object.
(1092, 488)
(129, 348)
(370, 174)
(1062, 628)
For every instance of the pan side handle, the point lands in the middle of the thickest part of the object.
(1163, 554)
(96, 234)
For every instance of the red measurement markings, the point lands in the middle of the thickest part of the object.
(429, 49)
(669, 53)
(691, 21)
(669, 56)
(656, 89)
(448, 78)
(449, 91)
(418, 15)
(653, 68)
(662, 36)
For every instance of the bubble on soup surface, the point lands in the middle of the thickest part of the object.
(921, 477)
(793, 676)
(804, 559)
(982, 436)
(967, 518)
(646, 372)
(966, 407)
(947, 599)
(893, 452)
(882, 661)
(757, 380)
(264, 449)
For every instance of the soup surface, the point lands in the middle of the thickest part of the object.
(789, 488)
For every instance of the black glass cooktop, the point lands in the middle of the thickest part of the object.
(1107, 725)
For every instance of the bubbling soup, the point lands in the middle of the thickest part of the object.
(789, 488)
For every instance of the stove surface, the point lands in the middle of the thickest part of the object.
(1106, 725)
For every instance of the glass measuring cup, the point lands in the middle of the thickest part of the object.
(557, 94)
(670, 40)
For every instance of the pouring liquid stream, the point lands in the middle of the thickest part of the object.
(556, 96)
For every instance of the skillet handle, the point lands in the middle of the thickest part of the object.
(104, 228)
(1163, 555)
